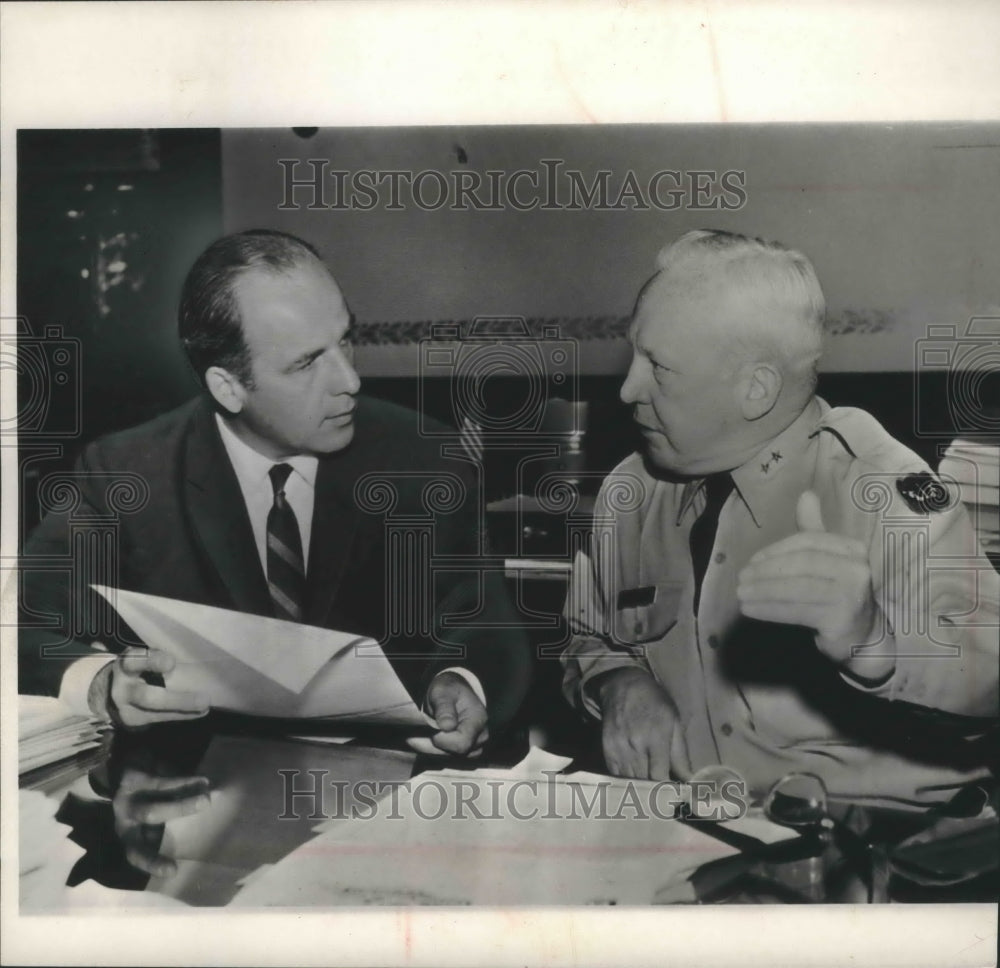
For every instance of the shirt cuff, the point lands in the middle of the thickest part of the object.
(587, 697)
(875, 687)
(471, 678)
(76, 682)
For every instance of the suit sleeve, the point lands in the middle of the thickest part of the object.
(58, 617)
(475, 625)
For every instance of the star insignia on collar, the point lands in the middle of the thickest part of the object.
(765, 467)
(775, 456)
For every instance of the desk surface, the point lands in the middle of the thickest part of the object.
(303, 822)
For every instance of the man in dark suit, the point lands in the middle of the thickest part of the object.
(274, 494)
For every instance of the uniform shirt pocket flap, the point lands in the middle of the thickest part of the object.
(647, 614)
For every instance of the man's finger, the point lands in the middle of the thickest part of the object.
(611, 749)
(159, 700)
(804, 566)
(445, 715)
(659, 757)
(150, 861)
(808, 514)
(637, 758)
(135, 781)
(160, 661)
(783, 612)
(423, 745)
(680, 758)
(787, 590)
(442, 697)
(135, 662)
(160, 811)
(455, 741)
(823, 543)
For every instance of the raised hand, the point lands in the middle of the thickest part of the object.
(820, 580)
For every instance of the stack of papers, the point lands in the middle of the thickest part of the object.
(49, 732)
(976, 468)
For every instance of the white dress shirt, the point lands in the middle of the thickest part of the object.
(252, 469)
(252, 472)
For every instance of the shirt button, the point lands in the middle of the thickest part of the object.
(713, 641)
(638, 628)
(720, 557)
(726, 729)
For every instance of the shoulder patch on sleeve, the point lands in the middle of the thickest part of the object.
(923, 493)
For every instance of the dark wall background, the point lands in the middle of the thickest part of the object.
(108, 223)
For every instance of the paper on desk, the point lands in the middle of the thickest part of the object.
(541, 765)
(518, 844)
(538, 764)
(269, 667)
(533, 847)
(539, 761)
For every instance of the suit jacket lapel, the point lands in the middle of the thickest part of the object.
(334, 531)
(219, 517)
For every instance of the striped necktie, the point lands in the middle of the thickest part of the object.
(702, 537)
(286, 572)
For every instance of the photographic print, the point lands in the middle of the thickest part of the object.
(432, 522)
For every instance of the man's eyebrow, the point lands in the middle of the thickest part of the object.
(657, 359)
(643, 350)
(304, 358)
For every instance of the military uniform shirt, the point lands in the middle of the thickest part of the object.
(759, 696)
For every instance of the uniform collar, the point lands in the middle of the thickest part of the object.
(776, 470)
(252, 466)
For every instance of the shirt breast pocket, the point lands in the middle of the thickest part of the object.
(646, 614)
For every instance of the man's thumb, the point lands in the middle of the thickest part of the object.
(808, 515)
(444, 713)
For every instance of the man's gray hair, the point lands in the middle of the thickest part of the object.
(786, 307)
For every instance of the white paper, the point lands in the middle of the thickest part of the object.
(269, 667)
(539, 761)
(407, 858)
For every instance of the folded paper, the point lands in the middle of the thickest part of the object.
(269, 667)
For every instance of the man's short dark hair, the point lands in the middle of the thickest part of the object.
(208, 321)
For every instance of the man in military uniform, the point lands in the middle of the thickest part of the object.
(775, 585)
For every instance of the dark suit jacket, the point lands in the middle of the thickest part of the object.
(190, 538)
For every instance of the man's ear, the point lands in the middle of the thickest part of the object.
(227, 390)
(759, 387)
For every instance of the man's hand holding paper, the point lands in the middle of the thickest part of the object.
(460, 715)
(121, 691)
